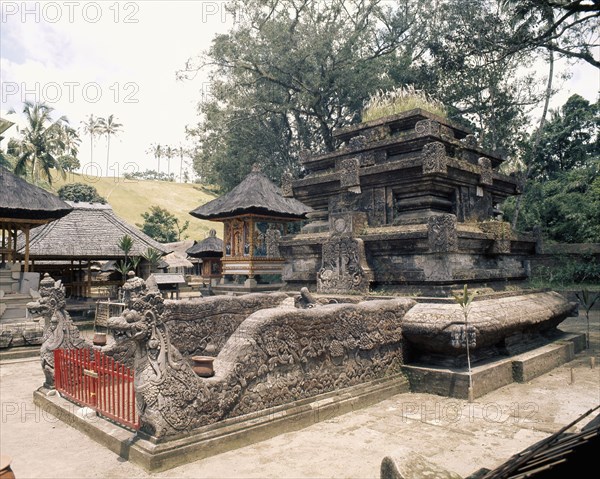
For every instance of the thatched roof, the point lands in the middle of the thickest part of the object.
(209, 246)
(179, 247)
(175, 260)
(255, 194)
(22, 200)
(90, 231)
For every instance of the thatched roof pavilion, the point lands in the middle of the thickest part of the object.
(90, 232)
(24, 206)
(256, 194)
(209, 252)
(255, 216)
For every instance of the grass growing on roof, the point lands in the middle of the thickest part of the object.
(398, 100)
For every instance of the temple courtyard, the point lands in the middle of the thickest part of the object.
(459, 436)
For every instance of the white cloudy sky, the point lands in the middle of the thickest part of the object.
(120, 58)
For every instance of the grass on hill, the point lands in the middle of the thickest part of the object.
(130, 198)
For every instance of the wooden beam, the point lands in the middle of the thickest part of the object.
(26, 265)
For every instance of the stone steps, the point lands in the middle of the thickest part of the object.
(13, 306)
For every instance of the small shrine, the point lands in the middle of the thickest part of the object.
(255, 216)
(209, 252)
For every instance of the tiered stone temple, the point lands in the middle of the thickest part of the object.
(409, 200)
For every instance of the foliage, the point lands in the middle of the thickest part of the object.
(69, 163)
(399, 100)
(42, 142)
(569, 139)
(153, 257)
(108, 127)
(587, 300)
(289, 73)
(149, 175)
(92, 126)
(125, 244)
(563, 196)
(162, 225)
(80, 192)
(567, 272)
(569, 28)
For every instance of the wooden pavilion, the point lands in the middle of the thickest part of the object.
(209, 252)
(255, 216)
(90, 232)
(24, 206)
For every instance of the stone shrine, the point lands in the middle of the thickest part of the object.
(410, 201)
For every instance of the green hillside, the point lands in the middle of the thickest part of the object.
(130, 198)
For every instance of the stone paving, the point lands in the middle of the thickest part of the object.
(454, 434)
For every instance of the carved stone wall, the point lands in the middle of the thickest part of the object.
(441, 233)
(344, 268)
(276, 356)
(434, 158)
(202, 326)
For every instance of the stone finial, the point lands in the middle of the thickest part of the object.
(212, 233)
(256, 168)
(486, 174)
(348, 169)
(286, 185)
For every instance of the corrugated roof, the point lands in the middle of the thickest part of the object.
(22, 200)
(255, 194)
(91, 230)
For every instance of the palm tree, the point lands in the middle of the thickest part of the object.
(109, 127)
(92, 128)
(42, 141)
(169, 152)
(157, 151)
(71, 141)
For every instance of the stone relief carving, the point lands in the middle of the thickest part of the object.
(59, 330)
(286, 185)
(348, 169)
(434, 158)
(441, 233)
(486, 175)
(470, 141)
(277, 355)
(427, 127)
(343, 266)
(357, 142)
(272, 239)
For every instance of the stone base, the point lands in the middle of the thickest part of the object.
(239, 289)
(493, 374)
(223, 436)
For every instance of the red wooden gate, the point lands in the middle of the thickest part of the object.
(90, 378)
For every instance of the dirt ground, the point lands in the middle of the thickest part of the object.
(454, 434)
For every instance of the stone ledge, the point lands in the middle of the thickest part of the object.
(226, 435)
(494, 374)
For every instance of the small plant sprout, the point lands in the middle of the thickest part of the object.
(587, 300)
(464, 300)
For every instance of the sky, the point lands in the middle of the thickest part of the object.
(121, 58)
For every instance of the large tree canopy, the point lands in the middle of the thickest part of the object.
(289, 72)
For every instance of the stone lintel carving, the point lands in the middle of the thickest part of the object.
(59, 330)
(286, 185)
(357, 142)
(344, 267)
(427, 127)
(470, 141)
(347, 223)
(434, 158)
(348, 169)
(486, 174)
(377, 133)
(500, 246)
(441, 233)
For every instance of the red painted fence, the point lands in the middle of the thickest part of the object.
(90, 378)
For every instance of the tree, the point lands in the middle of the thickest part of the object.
(109, 127)
(80, 192)
(157, 150)
(566, 27)
(41, 143)
(287, 75)
(162, 225)
(92, 127)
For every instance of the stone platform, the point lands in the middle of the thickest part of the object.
(495, 373)
(224, 436)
